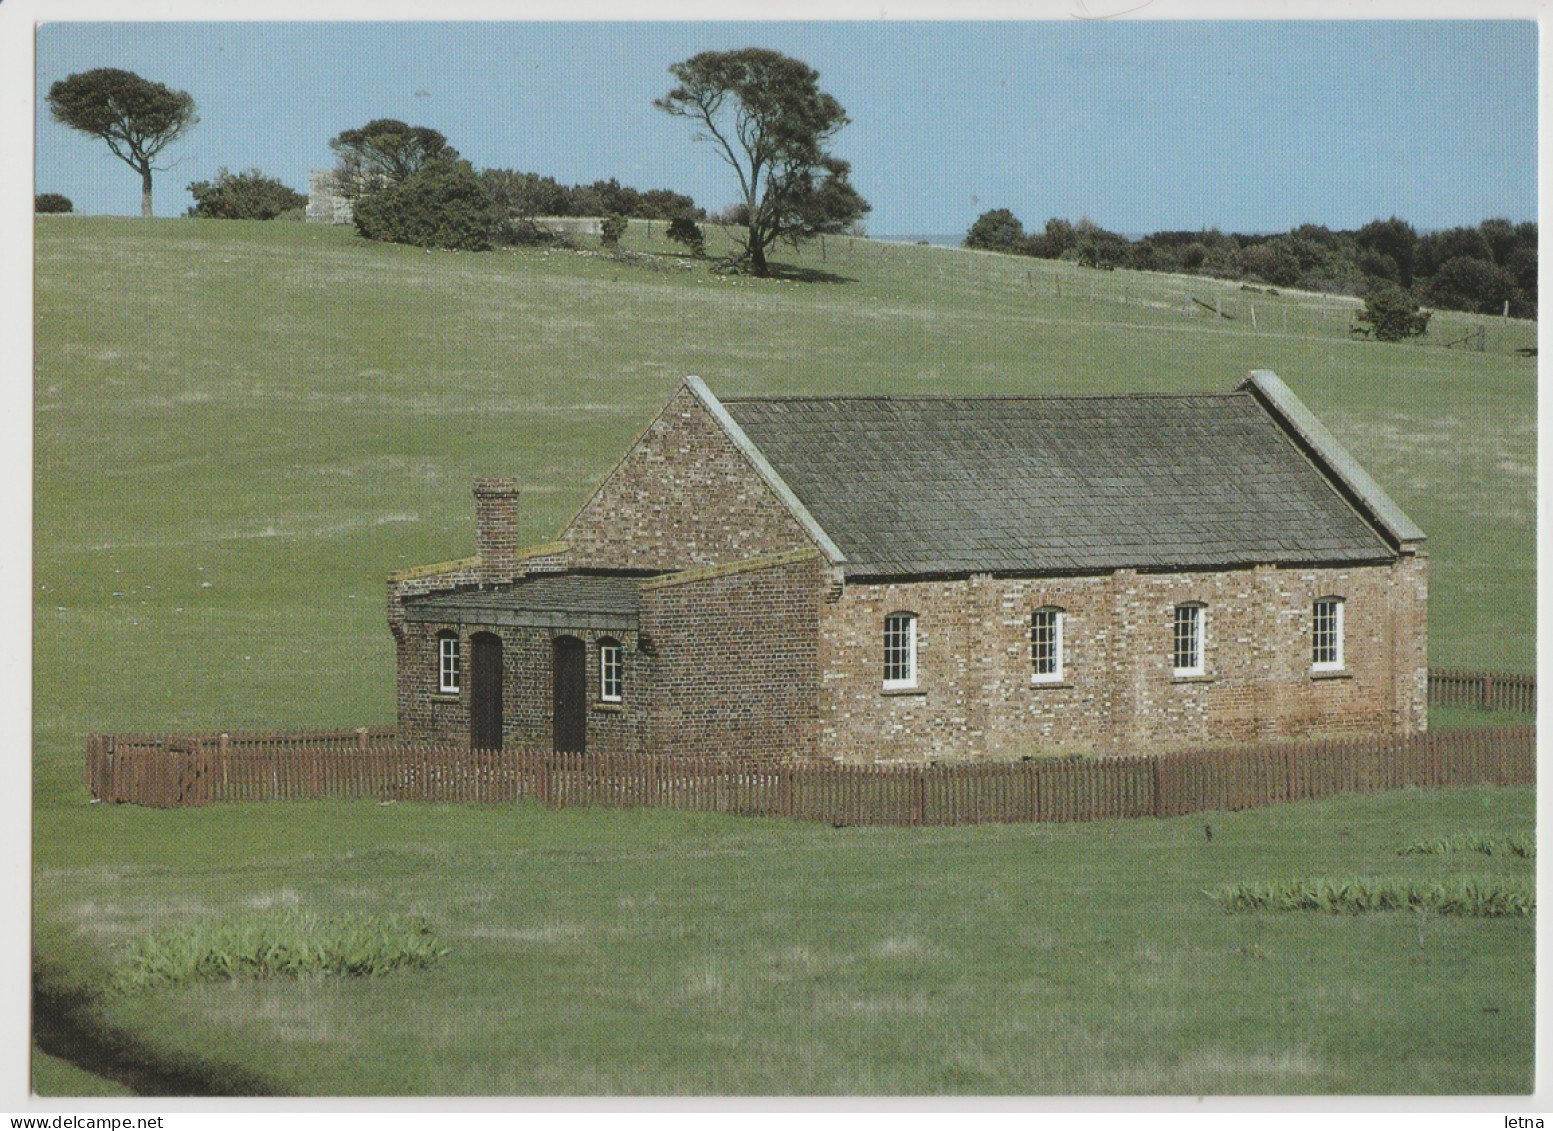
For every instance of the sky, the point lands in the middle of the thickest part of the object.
(1139, 125)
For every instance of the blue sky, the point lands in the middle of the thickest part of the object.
(1139, 125)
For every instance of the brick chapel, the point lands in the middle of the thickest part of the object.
(934, 579)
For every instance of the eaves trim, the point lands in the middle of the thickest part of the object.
(1338, 462)
(764, 469)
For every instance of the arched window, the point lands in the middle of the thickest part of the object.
(1326, 634)
(900, 650)
(449, 663)
(1046, 644)
(1189, 625)
(611, 670)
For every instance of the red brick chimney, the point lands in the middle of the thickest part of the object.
(496, 527)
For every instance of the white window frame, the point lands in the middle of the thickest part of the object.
(897, 650)
(611, 671)
(1055, 620)
(450, 664)
(1192, 615)
(1334, 646)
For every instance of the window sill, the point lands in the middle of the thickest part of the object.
(1200, 678)
(1335, 673)
(892, 692)
(1056, 683)
(609, 708)
(444, 697)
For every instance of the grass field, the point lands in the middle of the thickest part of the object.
(631, 952)
(241, 428)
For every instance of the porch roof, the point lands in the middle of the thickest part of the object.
(548, 600)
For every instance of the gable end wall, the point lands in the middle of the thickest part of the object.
(683, 496)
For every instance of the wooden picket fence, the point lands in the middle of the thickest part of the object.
(173, 771)
(1502, 691)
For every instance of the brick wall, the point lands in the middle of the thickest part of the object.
(976, 697)
(425, 715)
(682, 496)
(735, 664)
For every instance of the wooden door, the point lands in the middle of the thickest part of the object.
(569, 677)
(485, 692)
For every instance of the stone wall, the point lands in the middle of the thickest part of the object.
(976, 696)
(325, 205)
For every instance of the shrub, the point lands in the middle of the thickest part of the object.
(1392, 312)
(1491, 898)
(521, 232)
(52, 202)
(441, 205)
(286, 945)
(1523, 847)
(614, 226)
(243, 196)
(682, 229)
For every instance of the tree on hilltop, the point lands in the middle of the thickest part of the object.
(768, 119)
(997, 230)
(137, 118)
(385, 152)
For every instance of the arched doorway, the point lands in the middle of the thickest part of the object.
(485, 691)
(569, 678)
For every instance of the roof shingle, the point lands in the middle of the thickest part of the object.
(932, 485)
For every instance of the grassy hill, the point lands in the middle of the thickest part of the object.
(241, 428)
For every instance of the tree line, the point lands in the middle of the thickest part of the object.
(1484, 269)
(764, 113)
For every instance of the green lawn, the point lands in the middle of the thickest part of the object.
(627, 952)
(241, 428)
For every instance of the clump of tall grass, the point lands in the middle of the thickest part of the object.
(1493, 897)
(1473, 842)
(289, 944)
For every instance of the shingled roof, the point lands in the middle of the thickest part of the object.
(902, 486)
(574, 600)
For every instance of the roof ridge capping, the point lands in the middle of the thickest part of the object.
(1281, 401)
(763, 468)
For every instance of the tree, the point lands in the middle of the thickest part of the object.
(52, 202)
(1392, 312)
(767, 118)
(1471, 284)
(525, 195)
(1391, 239)
(442, 204)
(998, 230)
(243, 196)
(612, 227)
(136, 117)
(385, 152)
